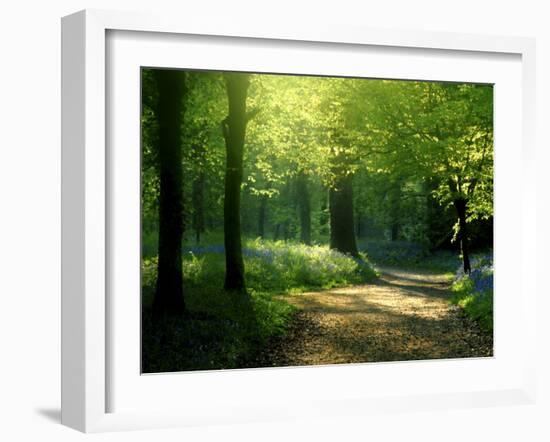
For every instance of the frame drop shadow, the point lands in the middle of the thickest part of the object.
(51, 414)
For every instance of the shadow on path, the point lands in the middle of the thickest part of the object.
(405, 315)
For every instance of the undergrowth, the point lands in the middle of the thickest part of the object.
(474, 292)
(410, 255)
(230, 330)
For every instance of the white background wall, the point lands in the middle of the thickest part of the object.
(30, 215)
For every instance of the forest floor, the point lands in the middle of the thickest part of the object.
(404, 315)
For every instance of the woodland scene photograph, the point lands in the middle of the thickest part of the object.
(297, 220)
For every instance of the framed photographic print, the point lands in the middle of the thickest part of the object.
(270, 223)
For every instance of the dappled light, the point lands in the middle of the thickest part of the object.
(382, 322)
(303, 220)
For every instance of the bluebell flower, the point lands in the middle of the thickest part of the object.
(481, 275)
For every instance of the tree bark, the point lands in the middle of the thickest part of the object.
(234, 128)
(433, 215)
(395, 225)
(262, 216)
(304, 208)
(198, 206)
(461, 207)
(276, 232)
(342, 231)
(169, 290)
(394, 231)
(324, 217)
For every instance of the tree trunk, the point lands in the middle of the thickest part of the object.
(286, 230)
(324, 216)
(461, 207)
(169, 291)
(261, 216)
(234, 128)
(276, 232)
(433, 215)
(395, 196)
(198, 206)
(342, 231)
(438, 220)
(394, 231)
(304, 208)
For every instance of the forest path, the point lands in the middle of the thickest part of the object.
(404, 315)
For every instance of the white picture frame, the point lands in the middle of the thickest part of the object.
(86, 204)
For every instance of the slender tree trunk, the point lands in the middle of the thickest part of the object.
(461, 208)
(262, 216)
(395, 195)
(197, 192)
(394, 231)
(324, 217)
(198, 206)
(169, 291)
(276, 232)
(234, 128)
(304, 208)
(286, 230)
(433, 215)
(342, 231)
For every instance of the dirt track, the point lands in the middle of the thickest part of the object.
(404, 315)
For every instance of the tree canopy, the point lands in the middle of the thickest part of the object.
(324, 160)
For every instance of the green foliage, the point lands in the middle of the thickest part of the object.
(474, 293)
(221, 332)
(275, 267)
(230, 331)
(478, 308)
(412, 148)
(411, 255)
(278, 266)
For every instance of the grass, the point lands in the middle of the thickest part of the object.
(474, 292)
(222, 331)
(228, 330)
(277, 266)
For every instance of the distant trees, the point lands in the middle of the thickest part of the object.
(456, 128)
(304, 207)
(441, 135)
